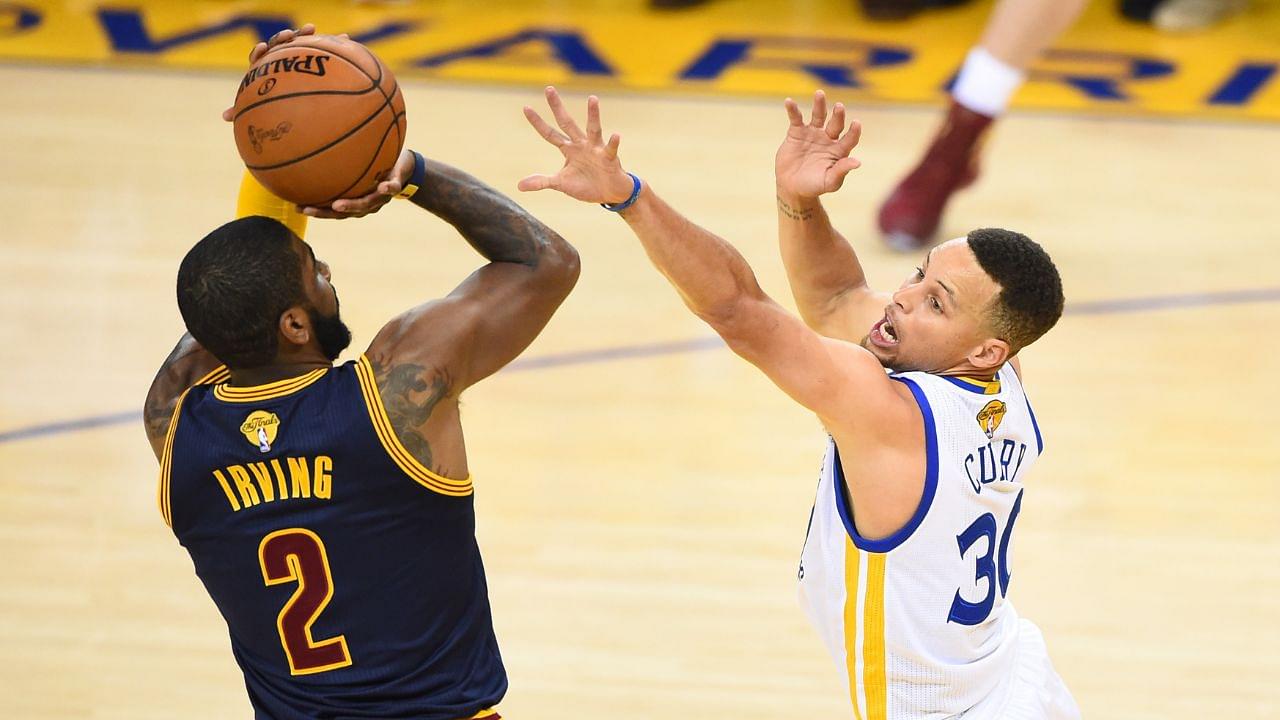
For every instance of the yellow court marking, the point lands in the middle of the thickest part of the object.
(1104, 64)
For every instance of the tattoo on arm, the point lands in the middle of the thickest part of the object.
(496, 227)
(801, 214)
(186, 364)
(409, 399)
(156, 417)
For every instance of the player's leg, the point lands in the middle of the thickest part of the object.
(1017, 32)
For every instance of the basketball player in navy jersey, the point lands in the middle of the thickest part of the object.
(905, 571)
(328, 510)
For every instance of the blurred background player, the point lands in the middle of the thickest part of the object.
(329, 511)
(1182, 15)
(1016, 34)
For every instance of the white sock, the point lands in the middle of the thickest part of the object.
(985, 83)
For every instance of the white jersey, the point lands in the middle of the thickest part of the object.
(919, 622)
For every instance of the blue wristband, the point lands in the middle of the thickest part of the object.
(635, 193)
(417, 179)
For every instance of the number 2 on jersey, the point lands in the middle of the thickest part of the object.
(297, 555)
(988, 566)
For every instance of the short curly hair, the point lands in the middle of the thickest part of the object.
(234, 285)
(1030, 299)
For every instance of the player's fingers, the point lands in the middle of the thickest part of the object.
(257, 52)
(307, 29)
(229, 114)
(851, 137)
(280, 38)
(548, 133)
(367, 204)
(319, 212)
(535, 182)
(836, 122)
(611, 150)
(390, 188)
(819, 116)
(561, 113)
(840, 170)
(594, 133)
(793, 112)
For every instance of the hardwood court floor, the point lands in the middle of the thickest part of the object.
(641, 516)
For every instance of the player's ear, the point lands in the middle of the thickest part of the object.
(295, 325)
(990, 355)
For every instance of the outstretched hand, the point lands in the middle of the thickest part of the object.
(591, 172)
(814, 157)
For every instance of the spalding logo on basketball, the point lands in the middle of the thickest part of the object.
(318, 119)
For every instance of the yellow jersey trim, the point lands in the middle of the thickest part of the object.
(166, 462)
(864, 632)
(219, 374)
(257, 393)
(986, 387)
(386, 434)
(875, 684)
(216, 375)
(486, 713)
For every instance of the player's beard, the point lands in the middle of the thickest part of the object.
(333, 335)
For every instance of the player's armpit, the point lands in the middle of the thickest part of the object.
(186, 364)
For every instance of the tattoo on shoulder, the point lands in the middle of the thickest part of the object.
(410, 393)
(156, 416)
(795, 213)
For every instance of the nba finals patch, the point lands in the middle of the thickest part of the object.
(261, 427)
(989, 417)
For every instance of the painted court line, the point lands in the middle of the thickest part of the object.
(630, 352)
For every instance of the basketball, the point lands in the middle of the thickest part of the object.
(318, 119)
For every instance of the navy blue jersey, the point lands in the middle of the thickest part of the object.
(348, 573)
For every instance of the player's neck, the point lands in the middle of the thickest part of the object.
(968, 370)
(282, 370)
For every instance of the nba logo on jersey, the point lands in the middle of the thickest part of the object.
(260, 429)
(989, 417)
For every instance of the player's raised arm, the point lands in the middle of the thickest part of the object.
(826, 278)
(836, 380)
(499, 309)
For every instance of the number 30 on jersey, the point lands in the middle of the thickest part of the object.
(989, 567)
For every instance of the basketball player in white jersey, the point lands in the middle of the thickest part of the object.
(906, 567)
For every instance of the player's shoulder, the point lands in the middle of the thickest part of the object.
(426, 334)
(872, 409)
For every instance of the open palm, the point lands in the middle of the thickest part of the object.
(814, 157)
(592, 171)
